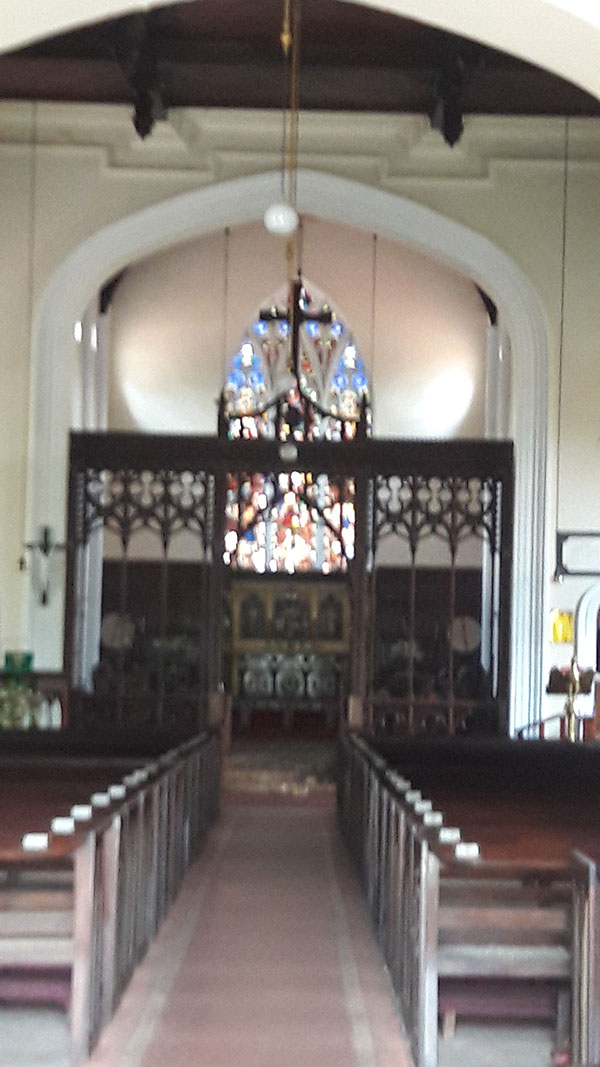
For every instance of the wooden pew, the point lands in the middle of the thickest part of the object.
(461, 932)
(77, 917)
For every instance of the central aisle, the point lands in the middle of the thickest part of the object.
(267, 959)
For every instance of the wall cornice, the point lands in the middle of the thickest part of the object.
(382, 150)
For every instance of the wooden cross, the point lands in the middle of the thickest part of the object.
(296, 315)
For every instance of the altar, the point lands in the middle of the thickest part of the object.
(289, 646)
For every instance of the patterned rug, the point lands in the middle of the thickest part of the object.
(289, 766)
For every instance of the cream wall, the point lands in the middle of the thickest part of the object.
(420, 327)
(504, 181)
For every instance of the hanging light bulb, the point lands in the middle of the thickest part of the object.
(281, 219)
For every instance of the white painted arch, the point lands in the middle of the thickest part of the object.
(586, 626)
(587, 611)
(232, 203)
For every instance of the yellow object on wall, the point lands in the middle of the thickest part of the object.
(561, 626)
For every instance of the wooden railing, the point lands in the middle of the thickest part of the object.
(442, 914)
(400, 717)
(121, 869)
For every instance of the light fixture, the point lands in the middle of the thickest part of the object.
(281, 218)
(296, 376)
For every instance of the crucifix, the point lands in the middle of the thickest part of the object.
(42, 552)
(295, 316)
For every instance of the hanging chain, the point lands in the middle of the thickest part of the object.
(290, 43)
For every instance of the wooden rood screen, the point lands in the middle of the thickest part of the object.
(424, 549)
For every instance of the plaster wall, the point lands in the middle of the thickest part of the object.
(82, 168)
(178, 318)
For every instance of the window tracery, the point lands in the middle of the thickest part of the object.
(326, 399)
(293, 522)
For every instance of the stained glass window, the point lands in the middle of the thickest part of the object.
(331, 376)
(293, 522)
(289, 522)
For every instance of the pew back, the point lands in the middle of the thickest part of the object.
(77, 917)
(499, 930)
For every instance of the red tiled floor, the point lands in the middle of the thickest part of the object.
(267, 959)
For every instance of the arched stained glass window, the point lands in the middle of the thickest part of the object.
(331, 379)
(291, 521)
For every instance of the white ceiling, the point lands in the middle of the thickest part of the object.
(561, 35)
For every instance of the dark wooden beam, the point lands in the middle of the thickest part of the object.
(335, 86)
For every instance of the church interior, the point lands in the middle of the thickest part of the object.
(300, 589)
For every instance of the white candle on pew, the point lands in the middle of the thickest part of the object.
(82, 812)
(449, 835)
(422, 806)
(100, 800)
(63, 825)
(466, 850)
(135, 779)
(35, 842)
(433, 818)
(412, 795)
(398, 782)
(117, 792)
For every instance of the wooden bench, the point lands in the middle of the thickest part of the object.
(501, 933)
(77, 916)
(504, 950)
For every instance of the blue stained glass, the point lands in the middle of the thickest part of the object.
(236, 379)
(284, 328)
(359, 382)
(260, 328)
(337, 329)
(340, 381)
(249, 535)
(256, 378)
(312, 328)
(237, 361)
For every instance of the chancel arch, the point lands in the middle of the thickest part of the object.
(235, 203)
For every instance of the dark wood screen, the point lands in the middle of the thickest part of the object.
(164, 487)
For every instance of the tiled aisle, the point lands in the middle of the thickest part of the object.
(267, 958)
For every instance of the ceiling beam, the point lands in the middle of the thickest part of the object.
(336, 86)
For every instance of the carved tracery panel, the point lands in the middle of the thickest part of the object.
(437, 646)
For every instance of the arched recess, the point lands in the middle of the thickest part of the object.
(338, 199)
(586, 637)
(586, 626)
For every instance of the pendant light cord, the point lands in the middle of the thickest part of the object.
(373, 303)
(31, 245)
(565, 189)
(225, 298)
(290, 43)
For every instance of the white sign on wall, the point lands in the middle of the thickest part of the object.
(578, 553)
